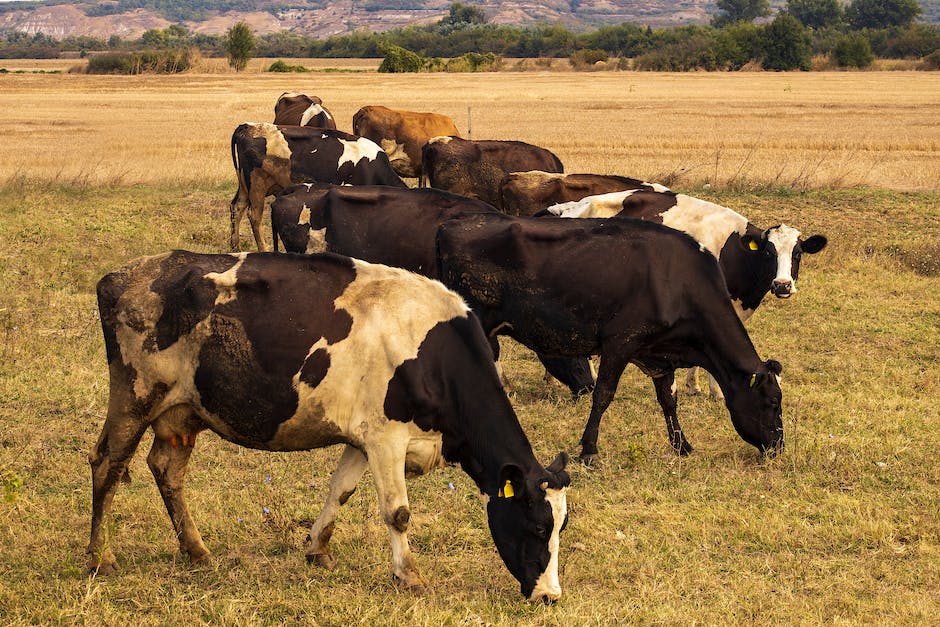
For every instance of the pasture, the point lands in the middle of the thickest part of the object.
(842, 528)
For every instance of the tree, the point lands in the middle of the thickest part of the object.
(881, 13)
(786, 44)
(733, 11)
(239, 44)
(816, 13)
(462, 14)
(853, 50)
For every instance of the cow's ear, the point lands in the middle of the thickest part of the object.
(751, 243)
(511, 482)
(557, 477)
(774, 366)
(814, 244)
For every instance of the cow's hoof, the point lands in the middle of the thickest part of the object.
(103, 568)
(589, 459)
(323, 560)
(412, 582)
(199, 557)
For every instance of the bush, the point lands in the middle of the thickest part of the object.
(280, 66)
(931, 61)
(171, 61)
(696, 53)
(398, 59)
(786, 44)
(853, 51)
(474, 62)
(587, 58)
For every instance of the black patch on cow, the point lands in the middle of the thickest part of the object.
(260, 340)
(315, 155)
(315, 367)
(188, 298)
(748, 273)
(647, 204)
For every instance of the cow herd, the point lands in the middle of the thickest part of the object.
(381, 333)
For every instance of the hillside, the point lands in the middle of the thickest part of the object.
(130, 18)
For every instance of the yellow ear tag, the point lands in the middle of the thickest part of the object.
(753, 379)
(506, 491)
(752, 245)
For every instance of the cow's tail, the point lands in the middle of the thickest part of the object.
(357, 121)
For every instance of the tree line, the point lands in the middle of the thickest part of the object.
(742, 32)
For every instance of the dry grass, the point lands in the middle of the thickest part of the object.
(796, 130)
(842, 528)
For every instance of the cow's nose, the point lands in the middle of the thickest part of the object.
(782, 288)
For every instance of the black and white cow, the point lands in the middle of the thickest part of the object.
(388, 225)
(754, 261)
(268, 158)
(627, 290)
(293, 109)
(296, 352)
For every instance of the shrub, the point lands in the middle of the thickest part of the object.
(398, 59)
(280, 66)
(170, 61)
(696, 53)
(474, 62)
(853, 51)
(931, 61)
(587, 58)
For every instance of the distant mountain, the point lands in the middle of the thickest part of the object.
(322, 18)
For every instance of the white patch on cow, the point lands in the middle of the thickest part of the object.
(311, 112)
(440, 139)
(709, 224)
(547, 584)
(599, 206)
(313, 151)
(657, 187)
(380, 340)
(275, 142)
(225, 281)
(784, 239)
(356, 151)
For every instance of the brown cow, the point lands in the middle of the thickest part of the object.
(402, 134)
(293, 109)
(476, 169)
(527, 193)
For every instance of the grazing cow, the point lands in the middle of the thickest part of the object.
(293, 109)
(477, 168)
(296, 352)
(388, 225)
(402, 134)
(527, 193)
(268, 158)
(627, 290)
(754, 261)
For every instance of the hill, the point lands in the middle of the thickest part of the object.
(131, 18)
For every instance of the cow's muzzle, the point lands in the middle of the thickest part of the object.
(782, 288)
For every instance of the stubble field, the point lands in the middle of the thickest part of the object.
(842, 528)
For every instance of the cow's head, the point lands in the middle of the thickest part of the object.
(782, 248)
(755, 406)
(525, 519)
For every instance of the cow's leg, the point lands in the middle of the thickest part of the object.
(612, 366)
(236, 213)
(167, 461)
(256, 213)
(387, 463)
(666, 395)
(494, 346)
(714, 389)
(116, 445)
(352, 463)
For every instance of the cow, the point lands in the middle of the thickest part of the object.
(626, 290)
(293, 109)
(476, 168)
(268, 158)
(296, 352)
(754, 261)
(527, 193)
(388, 225)
(402, 134)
